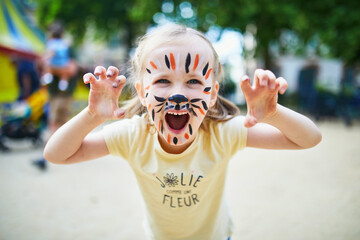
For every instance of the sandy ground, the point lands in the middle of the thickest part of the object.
(274, 195)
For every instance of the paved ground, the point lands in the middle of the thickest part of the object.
(274, 195)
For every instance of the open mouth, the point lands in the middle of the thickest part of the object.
(177, 120)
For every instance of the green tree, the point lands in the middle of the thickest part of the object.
(333, 23)
(269, 17)
(125, 18)
(337, 23)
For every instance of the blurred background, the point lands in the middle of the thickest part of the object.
(314, 45)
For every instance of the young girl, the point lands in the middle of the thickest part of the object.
(181, 134)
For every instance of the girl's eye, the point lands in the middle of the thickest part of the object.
(194, 81)
(162, 81)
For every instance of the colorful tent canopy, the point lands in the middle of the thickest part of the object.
(18, 36)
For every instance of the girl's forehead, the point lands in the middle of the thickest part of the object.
(182, 51)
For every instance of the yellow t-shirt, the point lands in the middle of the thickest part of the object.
(183, 193)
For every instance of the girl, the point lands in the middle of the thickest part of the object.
(181, 134)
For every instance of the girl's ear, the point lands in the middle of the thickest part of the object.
(214, 93)
(140, 92)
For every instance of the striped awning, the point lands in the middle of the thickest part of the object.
(18, 35)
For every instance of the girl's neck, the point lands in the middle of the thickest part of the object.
(171, 148)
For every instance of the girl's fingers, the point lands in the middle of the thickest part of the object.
(283, 85)
(89, 78)
(100, 71)
(119, 82)
(245, 85)
(271, 80)
(112, 72)
(260, 78)
(119, 113)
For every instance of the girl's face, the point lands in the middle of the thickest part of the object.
(178, 89)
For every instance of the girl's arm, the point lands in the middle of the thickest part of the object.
(72, 142)
(271, 125)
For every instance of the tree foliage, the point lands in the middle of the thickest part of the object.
(335, 23)
(332, 23)
(107, 17)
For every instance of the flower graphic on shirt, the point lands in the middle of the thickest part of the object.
(171, 180)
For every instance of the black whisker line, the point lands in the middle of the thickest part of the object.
(187, 63)
(192, 110)
(161, 104)
(159, 110)
(207, 89)
(195, 100)
(160, 99)
(205, 69)
(193, 105)
(167, 61)
(204, 105)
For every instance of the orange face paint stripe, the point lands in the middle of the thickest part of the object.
(172, 61)
(186, 136)
(149, 106)
(153, 65)
(147, 88)
(169, 138)
(206, 92)
(201, 111)
(208, 74)
(196, 62)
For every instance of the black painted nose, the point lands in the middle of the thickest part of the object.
(178, 98)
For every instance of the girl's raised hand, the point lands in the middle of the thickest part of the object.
(261, 98)
(105, 92)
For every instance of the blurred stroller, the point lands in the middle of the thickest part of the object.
(27, 118)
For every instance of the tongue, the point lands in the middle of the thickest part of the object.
(176, 122)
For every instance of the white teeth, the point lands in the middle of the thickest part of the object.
(174, 113)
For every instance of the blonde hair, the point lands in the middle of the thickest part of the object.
(171, 34)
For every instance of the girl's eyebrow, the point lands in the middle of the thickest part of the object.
(159, 76)
(195, 75)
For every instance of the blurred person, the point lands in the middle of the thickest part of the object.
(3, 146)
(180, 135)
(28, 78)
(60, 96)
(348, 94)
(307, 92)
(57, 60)
(59, 110)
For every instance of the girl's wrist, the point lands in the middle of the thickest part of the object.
(93, 117)
(272, 117)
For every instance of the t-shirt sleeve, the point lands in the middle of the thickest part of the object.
(121, 135)
(232, 135)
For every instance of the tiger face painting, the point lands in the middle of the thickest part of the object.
(178, 90)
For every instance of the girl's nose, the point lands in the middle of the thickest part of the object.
(178, 98)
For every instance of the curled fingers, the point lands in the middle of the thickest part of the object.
(100, 71)
(283, 85)
(89, 78)
(271, 80)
